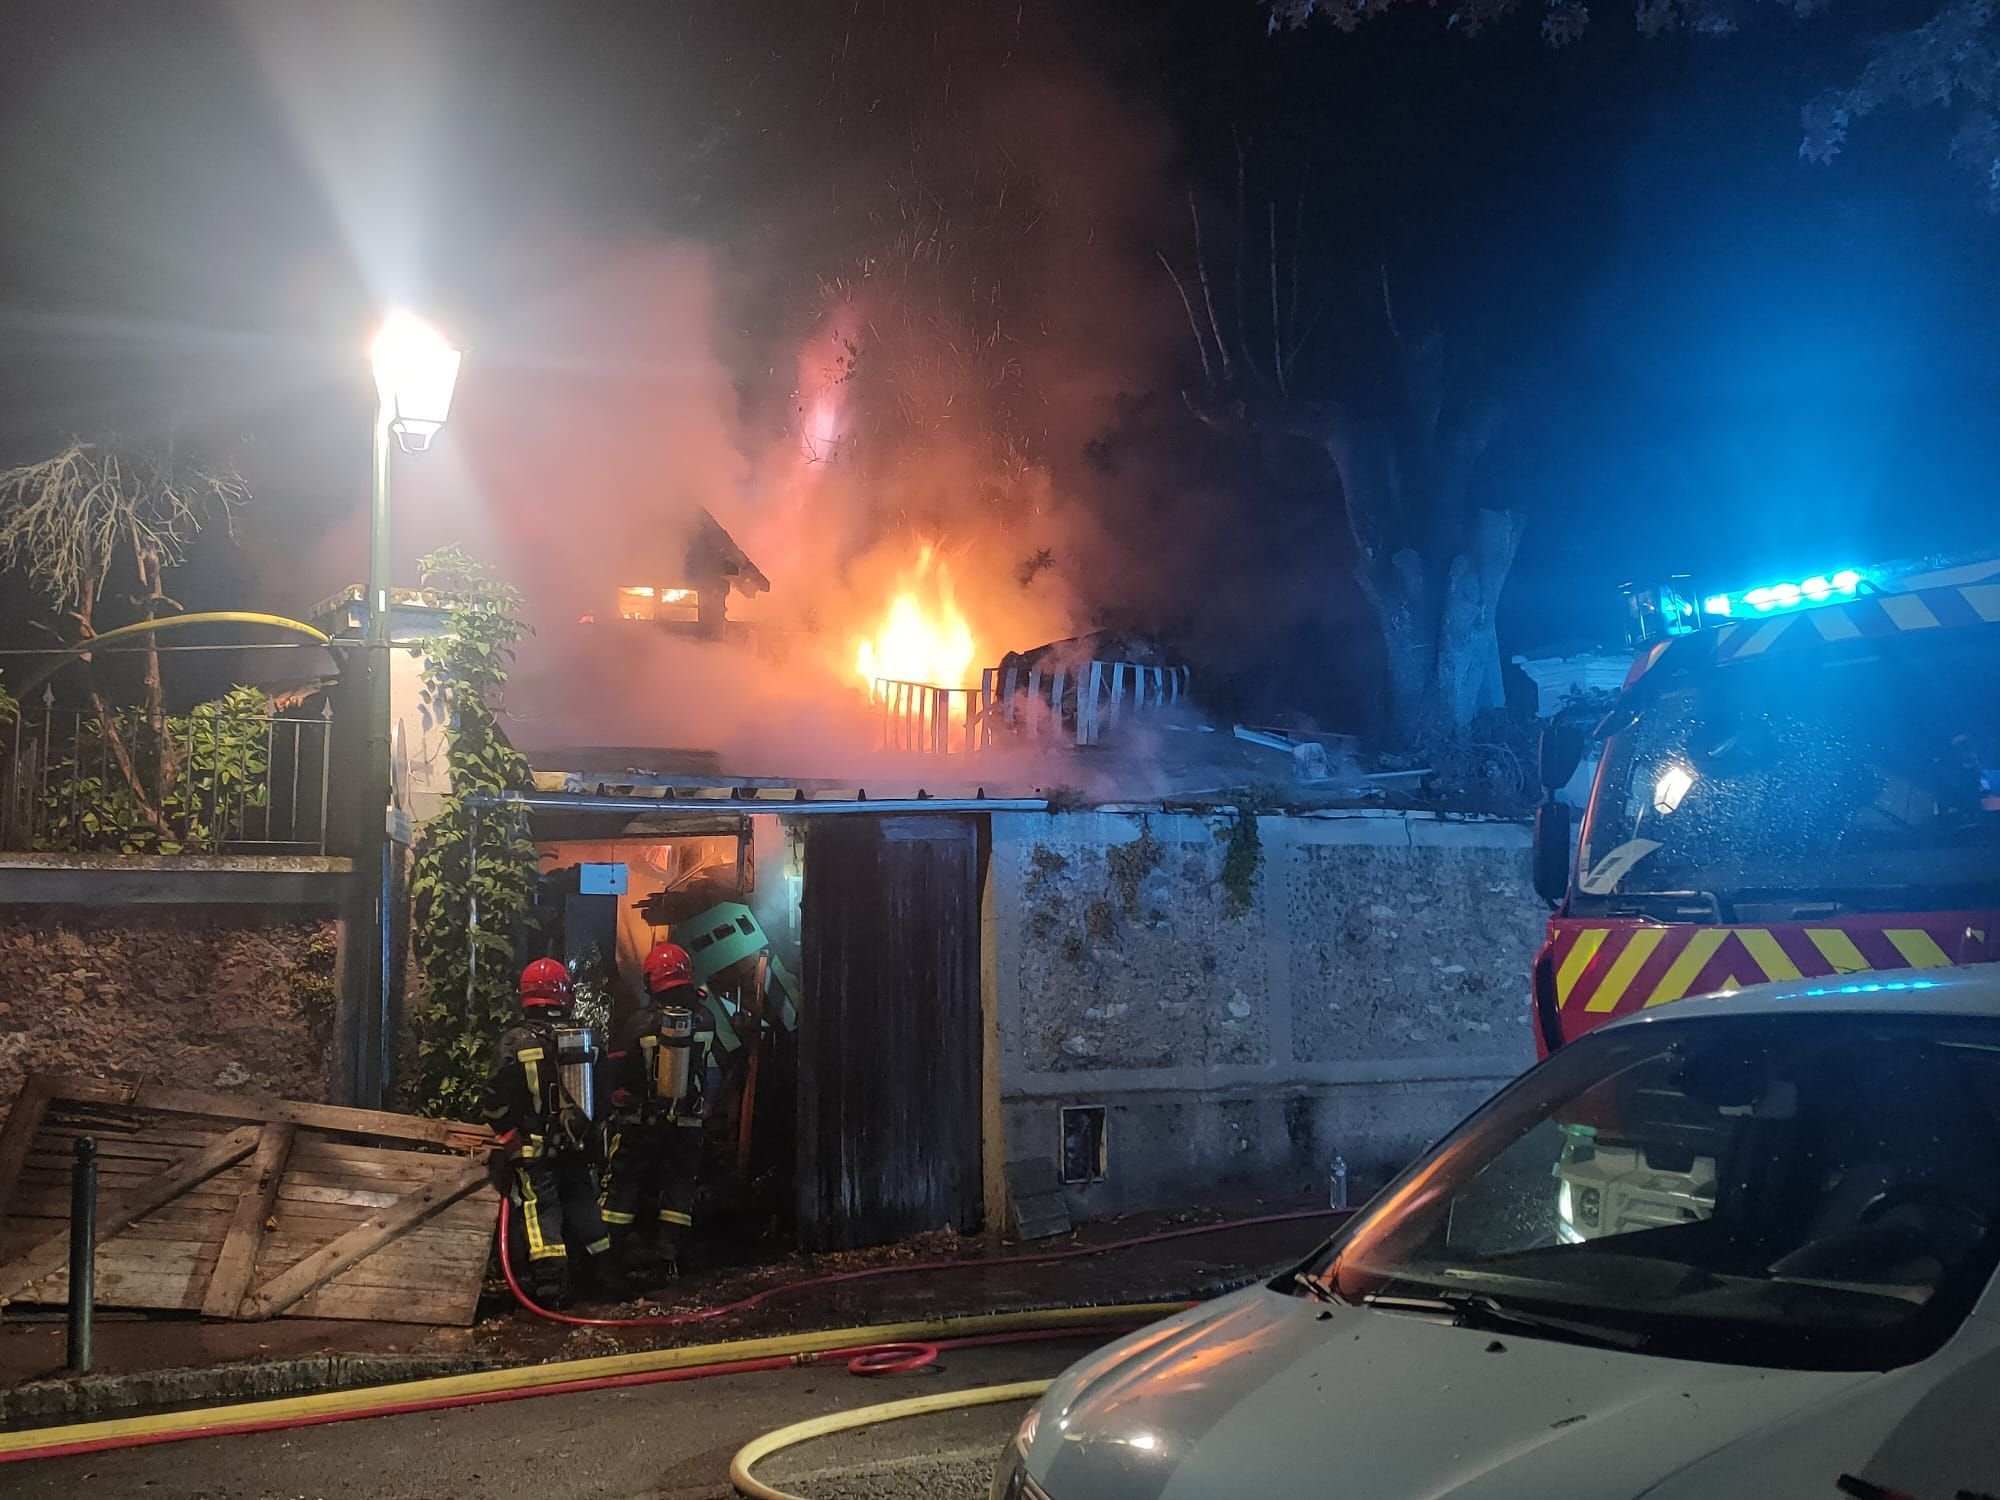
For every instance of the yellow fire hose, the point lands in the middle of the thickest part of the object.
(762, 1448)
(562, 1378)
(170, 622)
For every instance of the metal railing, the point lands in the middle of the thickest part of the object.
(1017, 704)
(198, 783)
(928, 720)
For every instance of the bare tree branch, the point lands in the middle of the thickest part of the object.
(1207, 298)
(1194, 323)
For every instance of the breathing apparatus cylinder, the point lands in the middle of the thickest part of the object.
(576, 1065)
(671, 1061)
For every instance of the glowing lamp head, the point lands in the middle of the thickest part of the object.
(1846, 580)
(415, 370)
(1676, 780)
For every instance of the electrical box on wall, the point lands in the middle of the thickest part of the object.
(603, 879)
(1086, 1150)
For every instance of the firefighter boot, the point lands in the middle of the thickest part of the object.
(608, 1277)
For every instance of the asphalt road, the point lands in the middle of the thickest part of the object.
(669, 1442)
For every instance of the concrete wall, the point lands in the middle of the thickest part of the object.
(1351, 982)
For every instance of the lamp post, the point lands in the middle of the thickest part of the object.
(415, 370)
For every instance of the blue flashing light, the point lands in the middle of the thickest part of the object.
(1872, 987)
(1770, 598)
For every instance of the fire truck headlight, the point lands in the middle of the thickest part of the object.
(1672, 786)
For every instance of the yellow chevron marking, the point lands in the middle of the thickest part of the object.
(1908, 611)
(1838, 949)
(1919, 948)
(1769, 957)
(1835, 625)
(1694, 958)
(1984, 599)
(1761, 638)
(1587, 943)
(1627, 964)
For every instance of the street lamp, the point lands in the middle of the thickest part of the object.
(415, 370)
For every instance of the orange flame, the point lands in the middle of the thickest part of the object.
(923, 637)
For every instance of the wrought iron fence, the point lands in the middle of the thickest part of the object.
(207, 782)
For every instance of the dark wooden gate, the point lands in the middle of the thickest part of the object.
(889, 1034)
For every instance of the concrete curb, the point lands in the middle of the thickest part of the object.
(44, 1401)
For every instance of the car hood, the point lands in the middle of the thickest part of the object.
(1266, 1394)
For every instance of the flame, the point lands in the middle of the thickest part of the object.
(923, 637)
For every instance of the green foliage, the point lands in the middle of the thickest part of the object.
(313, 982)
(1131, 863)
(1242, 859)
(592, 976)
(197, 779)
(473, 886)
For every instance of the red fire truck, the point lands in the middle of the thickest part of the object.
(1793, 783)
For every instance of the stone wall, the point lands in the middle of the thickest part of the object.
(227, 998)
(1249, 996)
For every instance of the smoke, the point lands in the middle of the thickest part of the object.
(881, 370)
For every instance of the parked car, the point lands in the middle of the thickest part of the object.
(1732, 1246)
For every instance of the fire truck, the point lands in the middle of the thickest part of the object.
(1794, 783)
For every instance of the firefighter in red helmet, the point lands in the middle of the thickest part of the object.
(542, 1158)
(658, 1070)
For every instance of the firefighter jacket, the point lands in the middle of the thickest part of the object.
(524, 1101)
(641, 1064)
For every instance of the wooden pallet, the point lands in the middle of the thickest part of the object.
(245, 1208)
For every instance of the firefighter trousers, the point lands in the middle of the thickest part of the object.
(649, 1180)
(554, 1207)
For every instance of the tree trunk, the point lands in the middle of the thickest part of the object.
(1442, 651)
(1468, 661)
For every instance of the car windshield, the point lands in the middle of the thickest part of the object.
(1863, 773)
(1807, 1191)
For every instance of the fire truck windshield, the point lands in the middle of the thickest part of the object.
(1860, 775)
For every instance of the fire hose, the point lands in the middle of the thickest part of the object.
(901, 1268)
(757, 1450)
(866, 1350)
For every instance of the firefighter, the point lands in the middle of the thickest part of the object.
(541, 1159)
(658, 1070)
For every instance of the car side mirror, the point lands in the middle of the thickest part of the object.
(1559, 754)
(1552, 853)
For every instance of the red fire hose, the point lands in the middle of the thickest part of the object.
(873, 1359)
(757, 1299)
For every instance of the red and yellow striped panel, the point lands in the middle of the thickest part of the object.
(1614, 967)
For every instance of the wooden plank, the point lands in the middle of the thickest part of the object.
(130, 1127)
(279, 1293)
(120, 1210)
(159, 1287)
(18, 1135)
(317, 1150)
(369, 1166)
(236, 1265)
(381, 1304)
(416, 1274)
(457, 1134)
(376, 1197)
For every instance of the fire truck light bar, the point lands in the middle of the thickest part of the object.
(1773, 598)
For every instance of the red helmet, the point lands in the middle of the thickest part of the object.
(545, 982)
(668, 965)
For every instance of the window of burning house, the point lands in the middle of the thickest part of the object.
(1864, 776)
(650, 602)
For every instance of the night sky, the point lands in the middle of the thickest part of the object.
(1716, 358)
